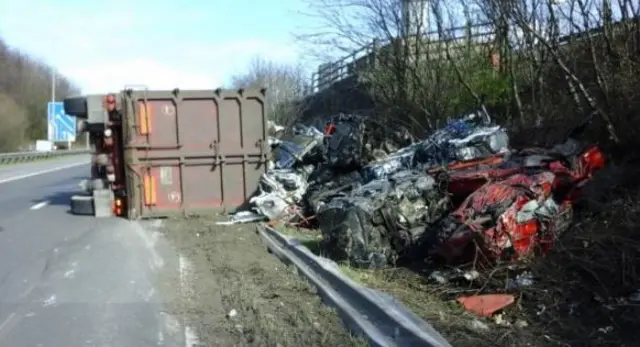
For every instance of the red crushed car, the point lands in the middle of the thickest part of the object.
(513, 206)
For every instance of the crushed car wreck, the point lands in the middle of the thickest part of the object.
(460, 193)
(379, 221)
(521, 205)
(467, 138)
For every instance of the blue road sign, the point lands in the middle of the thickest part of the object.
(62, 127)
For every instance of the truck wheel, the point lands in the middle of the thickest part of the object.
(82, 205)
(98, 183)
(76, 107)
(81, 126)
(102, 159)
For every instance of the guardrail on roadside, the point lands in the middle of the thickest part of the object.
(21, 157)
(377, 316)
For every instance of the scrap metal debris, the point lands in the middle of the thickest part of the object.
(379, 221)
(243, 217)
(486, 305)
(380, 197)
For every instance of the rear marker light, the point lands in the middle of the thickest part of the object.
(144, 116)
(149, 185)
(117, 208)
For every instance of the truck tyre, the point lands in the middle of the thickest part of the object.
(97, 184)
(102, 159)
(82, 205)
(81, 126)
(76, 107)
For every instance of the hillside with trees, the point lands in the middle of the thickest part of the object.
(25, 89)
(542, 67)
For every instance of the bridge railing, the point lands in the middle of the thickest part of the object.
(367, 56)
(431, 43)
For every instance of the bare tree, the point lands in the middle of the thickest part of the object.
(285, 86)
(404, 61)
(14, 124)
(552, 61)
(579, 40)
(25, 86)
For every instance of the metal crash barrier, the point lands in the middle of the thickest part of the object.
(22, 157)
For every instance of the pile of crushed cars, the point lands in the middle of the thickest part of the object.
(382, 198)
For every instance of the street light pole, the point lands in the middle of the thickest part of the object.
(53, 99)
(53, 86)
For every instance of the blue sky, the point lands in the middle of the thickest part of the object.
(103, 45)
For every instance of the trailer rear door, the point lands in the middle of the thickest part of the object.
(192, 152)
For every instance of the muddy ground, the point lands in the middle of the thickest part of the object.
(556, 311)
(240, 295)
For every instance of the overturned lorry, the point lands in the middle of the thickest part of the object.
(162, 152)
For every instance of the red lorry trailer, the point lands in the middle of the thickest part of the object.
(157, 153)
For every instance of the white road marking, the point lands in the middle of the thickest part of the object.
(160, 338)
(184, 267)
(149, 295)
(7, 320)
(27, 292)
(156, 261)
(39, 205)
(190, 337)
(37, 173)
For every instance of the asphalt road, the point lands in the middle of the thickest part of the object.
(68, 280)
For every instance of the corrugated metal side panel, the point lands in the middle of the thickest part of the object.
(192, 151)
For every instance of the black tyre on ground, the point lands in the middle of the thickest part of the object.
(76, 107)
(102, 159)
(98, 183)
(81, 126)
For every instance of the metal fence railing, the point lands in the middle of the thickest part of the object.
(367, 56)
(20, 157)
